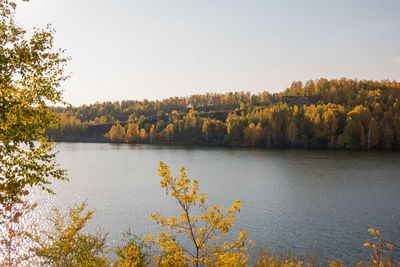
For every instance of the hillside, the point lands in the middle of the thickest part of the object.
(323, 113)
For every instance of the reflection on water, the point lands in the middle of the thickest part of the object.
(293, 199)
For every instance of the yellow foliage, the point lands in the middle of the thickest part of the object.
(203, 230)
(379, 249)
(136, 251)
(268, 259)
(68, 245)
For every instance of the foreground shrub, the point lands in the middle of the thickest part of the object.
(380, 250)
(267, 258)
(67, 245)
(135, 252)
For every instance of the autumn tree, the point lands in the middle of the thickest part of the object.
(190, 120)
(203, 231)
(249, 134)
(31, 73)
(387, 130)
(352, 133)
(235, 125)
(132, 134)
(134, 252)
(117, 133)
(373, 133)
(169, 132)
(292, 133)
(152, 134)
(396, 127)
(330, 123)
(206, 129)
(279, 120)
(143, 135)
(259, 134)
(361, 114)
(132, 118)
(363, 139)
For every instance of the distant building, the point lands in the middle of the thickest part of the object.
(299, 101)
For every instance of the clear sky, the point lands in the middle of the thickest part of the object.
(154, 49)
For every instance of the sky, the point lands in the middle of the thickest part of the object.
(155, 49)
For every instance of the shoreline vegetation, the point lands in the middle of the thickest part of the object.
(318, 114)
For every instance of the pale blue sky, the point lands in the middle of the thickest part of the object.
(154, 49)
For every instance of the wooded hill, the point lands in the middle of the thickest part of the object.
(323, 113)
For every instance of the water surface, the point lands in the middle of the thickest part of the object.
(293, 199)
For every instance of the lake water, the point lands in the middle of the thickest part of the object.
(292, 199)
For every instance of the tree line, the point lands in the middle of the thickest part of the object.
(340, 113)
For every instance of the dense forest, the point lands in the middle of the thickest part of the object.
(338, 113)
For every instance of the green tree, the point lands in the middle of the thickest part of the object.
(141, 121)
(160, 126)
(147, 127)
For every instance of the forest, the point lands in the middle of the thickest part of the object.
(323, 114)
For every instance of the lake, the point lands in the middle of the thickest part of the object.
(292, 199)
